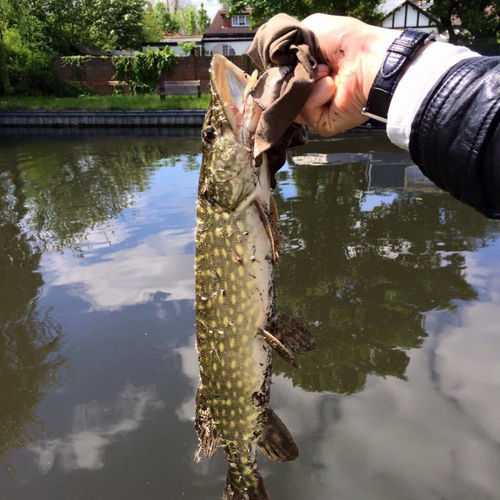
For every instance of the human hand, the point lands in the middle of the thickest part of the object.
(354, 52)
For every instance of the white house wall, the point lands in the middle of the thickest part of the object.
(408, 17)
(240, 47)
(175, 48)
(399, 18)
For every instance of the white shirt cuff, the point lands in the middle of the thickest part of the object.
(419, 79)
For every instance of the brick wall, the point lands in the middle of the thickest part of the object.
(98, 73)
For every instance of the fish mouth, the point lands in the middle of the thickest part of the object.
(232, 86)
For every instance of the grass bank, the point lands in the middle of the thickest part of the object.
(92, 103)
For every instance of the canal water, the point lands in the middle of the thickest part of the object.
(398, 282)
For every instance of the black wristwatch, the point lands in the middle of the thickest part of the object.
(399, 54)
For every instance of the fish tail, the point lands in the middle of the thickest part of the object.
(244, 481)
(255, 491)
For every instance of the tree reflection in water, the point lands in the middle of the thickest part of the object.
(74, 189)
(366, 278)
(29, 340)
(50, 198)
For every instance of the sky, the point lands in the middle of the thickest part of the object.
(211, 6)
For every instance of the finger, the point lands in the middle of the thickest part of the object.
(322, 70)
(323, 92)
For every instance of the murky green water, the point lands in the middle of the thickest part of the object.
(399, 283)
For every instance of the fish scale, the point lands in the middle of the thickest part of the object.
(237, 245)
(231, 309)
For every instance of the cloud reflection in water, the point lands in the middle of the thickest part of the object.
(95, 427)
(132, 275)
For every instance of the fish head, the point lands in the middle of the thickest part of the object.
(229, 171)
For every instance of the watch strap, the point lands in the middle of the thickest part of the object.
(399, 54)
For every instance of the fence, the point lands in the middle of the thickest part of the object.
(98, 72)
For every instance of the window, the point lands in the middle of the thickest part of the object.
(241, 20)
(227, 50)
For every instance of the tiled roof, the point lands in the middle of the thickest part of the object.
(222, 26)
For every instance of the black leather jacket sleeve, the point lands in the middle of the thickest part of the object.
(455, 137)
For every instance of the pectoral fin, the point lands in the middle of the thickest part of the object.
(272, 229)
(208, 438)
(292, 333)
(273, 342)
(275, 441)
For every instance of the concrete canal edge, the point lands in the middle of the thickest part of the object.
(104, 118)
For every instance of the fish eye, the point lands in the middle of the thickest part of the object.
(209, 134)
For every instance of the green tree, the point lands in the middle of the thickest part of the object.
(167, 17)
(187, 47)
(152, 28)
(60, 21)
(203, 21)
(31, 36)
(4, 74)
(28, 58)
(366, 10)
(480, 20)
(115, 24)
(187, 19)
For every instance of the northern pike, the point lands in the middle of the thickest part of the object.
(237, 245)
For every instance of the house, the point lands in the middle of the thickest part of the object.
(229, 36)
(174, 41)
(402, 14)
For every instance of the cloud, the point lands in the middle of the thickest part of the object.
(132, 275)
(95, 427)
(467, 354)
(190, 367)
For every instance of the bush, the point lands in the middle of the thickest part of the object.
(142, 72)
(119, 88)
(187, 47)
(29, 70)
